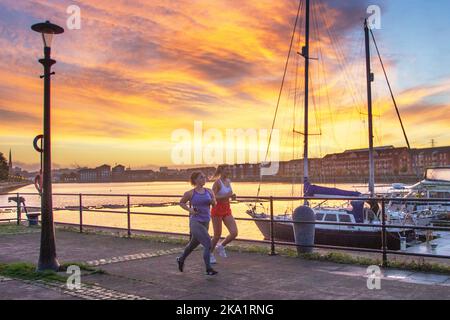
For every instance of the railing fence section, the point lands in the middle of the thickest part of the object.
(384, 251)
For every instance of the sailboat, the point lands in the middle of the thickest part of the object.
(336, 235)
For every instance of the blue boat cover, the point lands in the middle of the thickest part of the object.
(311, 190)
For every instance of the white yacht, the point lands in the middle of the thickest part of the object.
(436, 185)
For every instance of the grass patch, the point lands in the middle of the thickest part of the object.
(13, 228)
(422, 266)
(162, 239)
(27, 271)
(83, 267)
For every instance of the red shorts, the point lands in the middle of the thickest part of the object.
(222, 209)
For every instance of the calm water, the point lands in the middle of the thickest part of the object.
(172, 224)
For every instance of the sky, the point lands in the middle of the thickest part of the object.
(138, 74)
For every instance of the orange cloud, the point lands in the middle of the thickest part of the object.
(138, 70)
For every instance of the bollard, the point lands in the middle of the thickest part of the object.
(272, 237)
(304, 233)
(81, 212)
(128, 216)
(19, 212)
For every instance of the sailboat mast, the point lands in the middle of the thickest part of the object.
(305, 54)
(370, 79)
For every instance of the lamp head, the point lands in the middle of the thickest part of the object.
(47, 30)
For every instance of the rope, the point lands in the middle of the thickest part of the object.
(390, 90)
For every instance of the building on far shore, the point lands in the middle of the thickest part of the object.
(430, 157)
(391, 164)
(99, 174)
(354, 163)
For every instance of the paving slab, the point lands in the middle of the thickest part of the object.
(18, 290)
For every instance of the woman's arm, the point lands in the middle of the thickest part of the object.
(233, 195)
(213, 200)
(184, 200)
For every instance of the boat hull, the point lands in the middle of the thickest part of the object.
(340, 238)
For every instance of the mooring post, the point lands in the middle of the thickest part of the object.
(383, 234)
(272, 238)
(128, 216)
(19, 212)
(81, 213)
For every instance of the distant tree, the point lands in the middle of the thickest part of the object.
(4, 170)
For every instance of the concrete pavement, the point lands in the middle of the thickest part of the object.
(147, 269)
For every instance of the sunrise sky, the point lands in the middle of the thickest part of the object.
(138, 70)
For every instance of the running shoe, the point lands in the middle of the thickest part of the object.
(221, 250)
(180, 264)
(211, 272)
(212, 259)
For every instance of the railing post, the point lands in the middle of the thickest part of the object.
(272, 238)
(81, 213)
(19, 213)
(383, 233)
(128, 216)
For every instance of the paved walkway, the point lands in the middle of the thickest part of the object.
(145, 269)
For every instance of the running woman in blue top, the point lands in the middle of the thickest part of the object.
(201, 199)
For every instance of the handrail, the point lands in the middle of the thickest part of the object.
(382, 225)
(346, 224)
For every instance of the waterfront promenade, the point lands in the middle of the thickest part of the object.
(145, 269)
(12, 186)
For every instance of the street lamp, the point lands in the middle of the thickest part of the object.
(47, 256)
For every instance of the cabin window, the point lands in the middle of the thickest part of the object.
(319, 216)
(345, 218)
(439, 195)
(330, 217)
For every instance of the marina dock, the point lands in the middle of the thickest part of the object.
(442, 246)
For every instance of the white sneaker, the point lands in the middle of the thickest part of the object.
(212, 259)
(221, 250)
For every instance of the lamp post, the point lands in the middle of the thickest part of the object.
(47, 255)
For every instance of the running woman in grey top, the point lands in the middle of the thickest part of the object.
(200, 199)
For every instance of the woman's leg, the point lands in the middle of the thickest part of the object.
(202, 235)
(193, 243)
(217, 227)
(230, 223)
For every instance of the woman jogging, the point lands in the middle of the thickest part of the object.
(222, 211)
(200, 199)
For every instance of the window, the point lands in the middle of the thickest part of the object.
(330, 217)
(319, 216)
(345, 218)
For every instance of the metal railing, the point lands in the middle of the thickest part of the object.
(384, 227)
